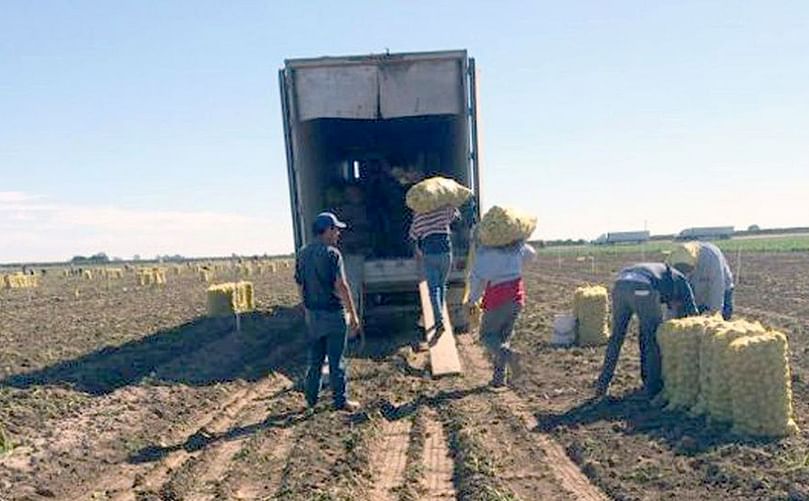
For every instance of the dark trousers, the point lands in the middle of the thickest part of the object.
(496, 329)
(637, 298)
(727, 308)
(328, 332)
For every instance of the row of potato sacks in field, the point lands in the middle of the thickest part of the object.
(731, 372)
(18, 281)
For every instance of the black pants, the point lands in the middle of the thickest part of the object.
(637, 298)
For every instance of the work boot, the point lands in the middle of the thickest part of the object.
(348, 406)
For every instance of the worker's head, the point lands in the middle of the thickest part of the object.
(327, 228)
(684, 257)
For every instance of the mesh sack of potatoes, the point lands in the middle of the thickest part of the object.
(20, 281)
(718, 393)
(590, 310)
(436, 192)
(761, 387)
(706, 363)
(230, 298)
(680, 341)
(151, 277)
(502, 226)
(205, 276)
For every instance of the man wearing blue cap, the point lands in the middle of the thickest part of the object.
(321, 279)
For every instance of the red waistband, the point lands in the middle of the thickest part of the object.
(499, 294)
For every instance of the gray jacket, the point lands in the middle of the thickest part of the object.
(710, 278)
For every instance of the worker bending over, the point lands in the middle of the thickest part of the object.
(708, 273)
(640, 290)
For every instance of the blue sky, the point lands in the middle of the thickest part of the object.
(145, 127)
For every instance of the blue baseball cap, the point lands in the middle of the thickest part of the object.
(326, 220)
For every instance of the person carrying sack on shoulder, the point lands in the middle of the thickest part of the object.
(496, 276)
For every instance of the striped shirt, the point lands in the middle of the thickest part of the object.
(433, 222)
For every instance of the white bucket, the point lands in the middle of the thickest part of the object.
(564, 329)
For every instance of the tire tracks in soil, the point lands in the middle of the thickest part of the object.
(389, 459)
(566, 472)
(98, 424)
(122, 477)
(202, 472)
(437, 462)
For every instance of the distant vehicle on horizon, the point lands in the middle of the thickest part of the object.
(706, 233)
(623, 237)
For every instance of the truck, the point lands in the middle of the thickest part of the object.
(623, 237)
(379, 123)
(706, 233)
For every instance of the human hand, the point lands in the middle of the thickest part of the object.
(354, 323)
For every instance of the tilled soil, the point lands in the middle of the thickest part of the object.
(111, 391)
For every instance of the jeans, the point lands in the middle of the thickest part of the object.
(637, 298)
(436, 271)
(496, 330)
(727, 308)
(328, 332)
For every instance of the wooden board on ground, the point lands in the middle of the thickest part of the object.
(444, 358)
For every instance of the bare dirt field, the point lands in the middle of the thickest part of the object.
(113, 391)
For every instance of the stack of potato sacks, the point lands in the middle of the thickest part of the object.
(436, 192)
(19, 281)
(590, 307)
(230, 298)
(151, 277)
(731, 372)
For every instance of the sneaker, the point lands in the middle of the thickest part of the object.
(348, 406)
(435, 338)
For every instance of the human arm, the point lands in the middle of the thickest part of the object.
(685, 296)
(712, 266)
(528, 253)
(611, 355)
(343, 290)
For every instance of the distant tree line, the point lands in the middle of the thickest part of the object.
(101, 257)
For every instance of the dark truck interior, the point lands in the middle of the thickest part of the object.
(362, 169)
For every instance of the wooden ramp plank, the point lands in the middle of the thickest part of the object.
(444, 359)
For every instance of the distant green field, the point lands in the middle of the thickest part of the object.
(783, 243)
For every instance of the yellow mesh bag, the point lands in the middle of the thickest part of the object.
(718, 392)
(680, 341)
(229, 298)
(590, 310)
(504, 225)
(436, 192)
(761, 387)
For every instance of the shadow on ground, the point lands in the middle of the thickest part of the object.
(201, 352)
(201, 439)
(685, 434)
(207, 351)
